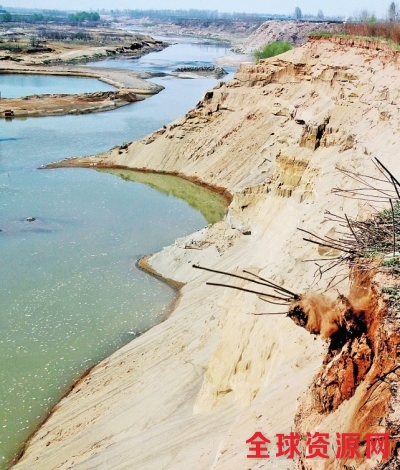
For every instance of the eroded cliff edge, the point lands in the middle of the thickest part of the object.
(189, 392)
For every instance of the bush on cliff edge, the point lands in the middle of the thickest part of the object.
(272, 49)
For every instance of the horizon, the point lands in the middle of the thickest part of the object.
(309, 7)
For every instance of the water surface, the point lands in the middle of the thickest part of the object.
(177, 55)
(210, 204)
(16, 85)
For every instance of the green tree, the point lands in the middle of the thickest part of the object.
(297, 13)
(6, 17)
(393, 12)
(320, 14)
(82, 16)
(272, 49)
(95, 16)
(33, 41)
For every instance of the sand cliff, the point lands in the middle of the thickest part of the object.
(189, 392)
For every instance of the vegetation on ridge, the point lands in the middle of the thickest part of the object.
(272, 49)
(369, 31)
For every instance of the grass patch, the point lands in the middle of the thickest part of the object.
(375, 235)
(218, 39)
(394, 266)
(393, 294)
(382, 31)
(272, 49)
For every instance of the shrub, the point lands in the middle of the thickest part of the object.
(388, 31)
(272, 49)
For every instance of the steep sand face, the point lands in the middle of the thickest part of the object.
(189, 392)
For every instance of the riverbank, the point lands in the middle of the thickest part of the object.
(131, 86)
(228, 32)
(119, 78)
(61, 104)
(189, 392)
(56, 44)
(57, 53)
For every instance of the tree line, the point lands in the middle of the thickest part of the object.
(213, 15)
(82, 16)
(364, 16)
(50, 15)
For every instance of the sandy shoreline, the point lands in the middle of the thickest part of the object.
(94, 163)
(61, 58)
(130, 86)
(61, 105)
(120, 78)
(144, 265)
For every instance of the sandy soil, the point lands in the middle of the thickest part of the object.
(295, 32)
(59, 104)
(230, 32)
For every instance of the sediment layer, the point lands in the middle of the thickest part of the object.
(191, 391)
(61, 104)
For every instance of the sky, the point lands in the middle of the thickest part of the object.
(337, 7)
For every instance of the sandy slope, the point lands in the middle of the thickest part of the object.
(189, 392)
(295, 32)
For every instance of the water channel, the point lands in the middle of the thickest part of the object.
(15, 86)
(69, 287)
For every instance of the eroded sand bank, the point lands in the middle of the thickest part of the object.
(189, 392)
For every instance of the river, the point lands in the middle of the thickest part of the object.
(70, 291)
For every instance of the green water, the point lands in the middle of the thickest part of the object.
(209, 204)
(70, 292)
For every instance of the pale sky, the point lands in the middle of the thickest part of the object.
(337, 7)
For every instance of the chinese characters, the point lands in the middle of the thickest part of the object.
(317, 445)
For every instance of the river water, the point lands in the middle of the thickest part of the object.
(69, 287)
(24, 85)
